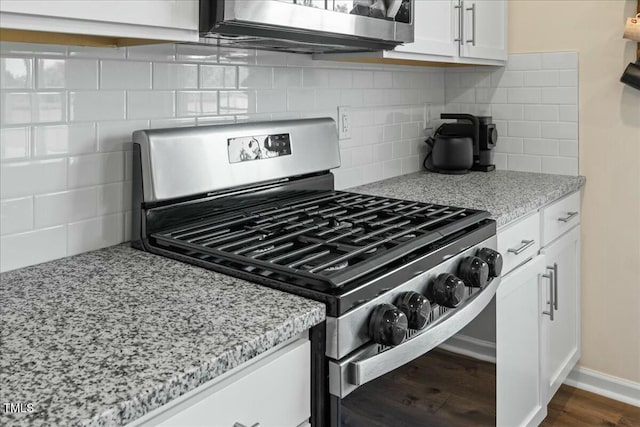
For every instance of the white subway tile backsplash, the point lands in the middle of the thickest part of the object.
(125, 75)
(32, 247)
(509, 145)
(300, 99)
(560, 165)
(61, 208)
(96, 105)
(560, 95)
(255, 77)
(32, 177)
(539, 146)
(391, 132)
(363, 79)
(524, 163)
(271, 101)
(534, 107)
(541, 112)
(237, 102)
(16, 73)
(507, 111)
(568, 113)
(382, 79)
(340, 78)
(153, 52)
(16, 215)
(117, 136)
(196, 53)
(523, 95)
(14, 143)
(541, 78)
(219, 77)
(560, 60)
(150, 104)
(560, 130)
(60, 140)
(54, 73)
(476, 79)
(315, 77)
(95, 233)
(16, 108)
(111, 198)
(507, 79)
(95, 169)
(236, 56)
(287, 77)
(568, 148)
(528, 61)
(327, 99)
(197, 103)
(175, 76)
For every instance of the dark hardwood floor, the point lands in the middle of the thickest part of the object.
(443, 389)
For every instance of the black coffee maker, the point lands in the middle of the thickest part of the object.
(482, 132)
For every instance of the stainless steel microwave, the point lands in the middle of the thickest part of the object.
(308, 26)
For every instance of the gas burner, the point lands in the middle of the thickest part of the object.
(406, 237)
(338, 266)
(263, 249)
(336, 223)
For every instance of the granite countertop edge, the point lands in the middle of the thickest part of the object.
(179, 385)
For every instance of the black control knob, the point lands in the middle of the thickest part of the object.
(388, 325)
(447, 290)
(493, 258)
(416, 307)
(474, 272)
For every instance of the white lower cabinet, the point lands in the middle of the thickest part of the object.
(560, 335)
(274, 391)
(518, 380)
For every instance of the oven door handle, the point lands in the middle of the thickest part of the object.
(370, 368)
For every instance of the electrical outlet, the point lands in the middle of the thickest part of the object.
(344, 122)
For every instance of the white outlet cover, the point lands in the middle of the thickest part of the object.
(344, 122)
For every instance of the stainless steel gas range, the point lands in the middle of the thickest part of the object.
(257, 201)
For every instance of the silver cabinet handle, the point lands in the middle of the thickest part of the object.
(473, 24)
(460, 38)
(526, 244)
(555, 285)
(550, 312)
(568, 217)
(242, 425)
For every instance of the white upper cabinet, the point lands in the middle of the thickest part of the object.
(436, 30)
(174, 20)
(484, 24)
(450, 31)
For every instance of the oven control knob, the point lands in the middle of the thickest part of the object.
(493, 258)
(447, 290)
(416, 307)
(388, 325)
(474, 272)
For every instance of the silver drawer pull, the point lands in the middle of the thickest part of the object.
(550, 301)
(526, 244)
(568, 217)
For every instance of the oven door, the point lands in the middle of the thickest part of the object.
(374, 360)
(320, 25)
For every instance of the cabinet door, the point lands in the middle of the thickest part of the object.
(151, 19)
(561, 337)
(433, 28)
(518, 377)
(485, 29)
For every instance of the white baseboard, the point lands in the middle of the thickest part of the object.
(472, 347)
(579, 377)
(605, 385)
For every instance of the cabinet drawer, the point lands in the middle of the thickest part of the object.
(560, 217)
(274, 392)
(519, 242)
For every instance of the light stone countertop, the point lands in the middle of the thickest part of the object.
(507, 195)
(102, 338)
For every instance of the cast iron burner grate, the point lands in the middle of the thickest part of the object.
(327, 239)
